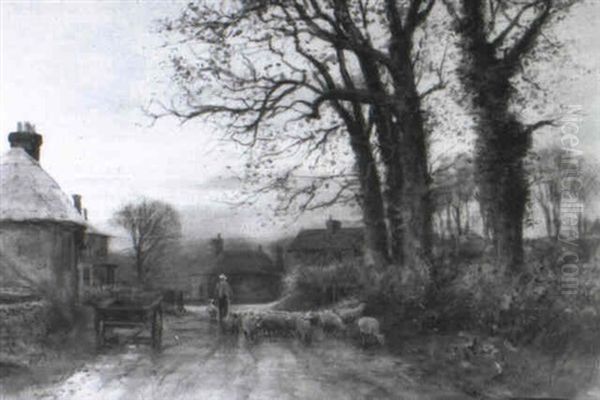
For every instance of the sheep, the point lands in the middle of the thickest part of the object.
(290, 324)
(250, 325)
(331, 322)
(212, 310)
(351, 314)
(231, 324)
(304, 327)
(274, 324)
(369, 328)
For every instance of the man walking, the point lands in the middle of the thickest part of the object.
(223, 294)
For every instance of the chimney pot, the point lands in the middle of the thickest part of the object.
(77, 203)
(333, 225)
(26, 138)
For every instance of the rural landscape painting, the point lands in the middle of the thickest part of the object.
(299, 199)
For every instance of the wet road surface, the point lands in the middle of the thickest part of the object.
(197, 362)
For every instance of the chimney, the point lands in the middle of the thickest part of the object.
(77, 203)
(333, 225)
(85, 214)
(218, 244)
(26, 138)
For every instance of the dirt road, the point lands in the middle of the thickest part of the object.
(199, 363)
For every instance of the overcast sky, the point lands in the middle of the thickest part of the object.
(82, 70)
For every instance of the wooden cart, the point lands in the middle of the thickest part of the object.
(141, 311)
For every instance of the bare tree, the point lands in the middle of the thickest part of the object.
(153, 227)
(546, 181)
(324, 71)
(453, 194)
(587, 190)
(499, 40)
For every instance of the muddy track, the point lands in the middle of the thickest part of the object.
(197, 362)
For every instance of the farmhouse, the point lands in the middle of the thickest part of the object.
(253, 275)
(95, 271)
(320, 247)
(41, 231)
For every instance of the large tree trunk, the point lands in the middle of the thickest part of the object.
(417, 207)
(376, 241)
(502, 140)
(401, 135)
(389, 144)
(501, 147)
(417, 197)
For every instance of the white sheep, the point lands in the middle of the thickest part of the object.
(351, 314)
(250, 326)
(369, 328)
(274, 323)
(212, 310)
(304, 328)
(231, 324)
(331, 322)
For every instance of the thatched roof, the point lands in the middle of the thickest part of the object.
(244, 262)
(92, 230)
(326, 240)
(28, 193)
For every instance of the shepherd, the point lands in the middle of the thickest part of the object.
(223, 294)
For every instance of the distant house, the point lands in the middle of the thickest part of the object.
(95, 270)
(41, 231)
(252, 274)
(324, 246)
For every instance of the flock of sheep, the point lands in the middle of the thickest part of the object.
(303, 325)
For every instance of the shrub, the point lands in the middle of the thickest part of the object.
(323, 284)
(529, 309)
(328, 284)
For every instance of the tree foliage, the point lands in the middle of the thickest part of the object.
(302, 80)
(499, 40)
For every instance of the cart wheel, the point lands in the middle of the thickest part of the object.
(157, 330)
(100, 329)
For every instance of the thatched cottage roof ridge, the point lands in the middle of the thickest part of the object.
(28, 193)
(232, 262)
(324, 239)
(92, 230)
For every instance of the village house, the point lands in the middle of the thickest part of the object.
(252, 274)
(321, 247)
(41, 232)
(95, 271)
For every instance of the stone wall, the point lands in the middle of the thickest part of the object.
(43, 256)
(23, 326)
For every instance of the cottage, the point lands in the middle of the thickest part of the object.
(320, 247)
(253, 275)
(95, 271)
(40, 229)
